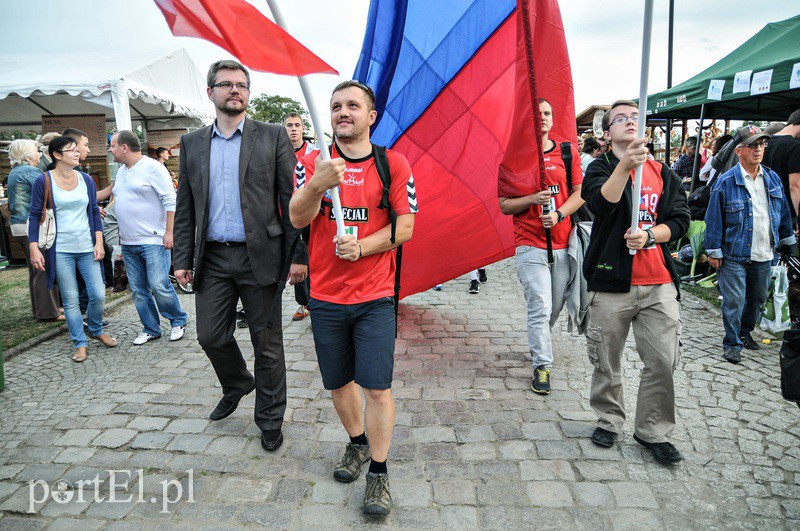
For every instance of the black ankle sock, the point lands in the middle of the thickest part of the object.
(361, 439)
(377, 468)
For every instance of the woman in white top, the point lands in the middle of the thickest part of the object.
(78, 245)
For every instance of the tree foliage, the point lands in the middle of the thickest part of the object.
(272, 109)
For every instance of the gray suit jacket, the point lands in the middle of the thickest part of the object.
(266, 182)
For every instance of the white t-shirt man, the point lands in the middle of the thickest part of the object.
(143, 194)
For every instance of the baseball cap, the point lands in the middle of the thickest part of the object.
(749, 134)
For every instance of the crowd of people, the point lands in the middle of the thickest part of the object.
(68, 276)
(253, 208)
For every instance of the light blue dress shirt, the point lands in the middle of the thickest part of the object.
(224, 202)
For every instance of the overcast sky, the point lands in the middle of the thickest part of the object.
(604, 37)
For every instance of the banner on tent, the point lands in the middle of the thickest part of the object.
(94, 125)
(167, 138)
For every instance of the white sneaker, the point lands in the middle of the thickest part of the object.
(177, 332)
(143, 338)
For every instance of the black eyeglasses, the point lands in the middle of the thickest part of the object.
(227, 85)
(759, 144)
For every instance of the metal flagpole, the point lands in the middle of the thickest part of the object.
(312, 110)
(637, 179)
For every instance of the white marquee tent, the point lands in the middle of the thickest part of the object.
(159, 89)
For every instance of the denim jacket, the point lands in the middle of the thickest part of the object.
(20, 185)
(729, 218)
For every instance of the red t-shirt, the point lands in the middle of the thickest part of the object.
(371, 277)
(649, 267)
(305, 148)
(528, 228)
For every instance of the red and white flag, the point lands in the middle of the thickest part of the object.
(245, 32)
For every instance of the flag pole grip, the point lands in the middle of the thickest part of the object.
(316, 122)
(637, 178)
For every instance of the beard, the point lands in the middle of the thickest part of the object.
(355, 133)
(230, 107)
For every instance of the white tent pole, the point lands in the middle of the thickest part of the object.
(315, 120)
(122, 106)
(637, 179)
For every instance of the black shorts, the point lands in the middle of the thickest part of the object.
(354, 342)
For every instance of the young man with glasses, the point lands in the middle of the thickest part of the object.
(748, 218)
(232, 236)
(639, 291)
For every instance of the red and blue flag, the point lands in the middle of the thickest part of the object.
(457, 85)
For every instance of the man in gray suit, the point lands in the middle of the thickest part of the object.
(232, 236)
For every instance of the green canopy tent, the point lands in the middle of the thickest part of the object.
(760, 80)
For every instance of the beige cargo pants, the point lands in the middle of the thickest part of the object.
(653, 311)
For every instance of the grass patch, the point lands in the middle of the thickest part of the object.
(707, 294)
(18, 323)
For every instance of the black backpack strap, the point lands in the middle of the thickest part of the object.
(566, 156)
(382, 164)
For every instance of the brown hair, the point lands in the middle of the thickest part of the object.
(228, 64)
(353, 83)
(618, 103)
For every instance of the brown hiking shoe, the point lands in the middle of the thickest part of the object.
(349, 468)
(377, 500)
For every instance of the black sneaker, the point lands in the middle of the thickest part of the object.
(242, 323)
(664, 452)
(349, 468)
(732, 355)
(474, 287)
(482, 276)
(603, 437)
(749, 343)
(541, 380)
(377, 499)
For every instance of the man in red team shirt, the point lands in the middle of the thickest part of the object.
(545, 284)
(295, 128)
(352, 288)
(639, 291)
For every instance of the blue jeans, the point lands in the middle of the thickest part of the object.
(66, 264)
(744, 289)
(545, 289)
(147, 267)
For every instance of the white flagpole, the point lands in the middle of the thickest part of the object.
(312, 110)
(637, 178)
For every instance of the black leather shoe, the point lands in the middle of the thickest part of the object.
(270, 442)
(731, 355)
(749, 343)
(664, 452)
(227, 406)
(604, 438)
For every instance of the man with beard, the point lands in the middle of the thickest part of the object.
(231, 240)
(352, 283)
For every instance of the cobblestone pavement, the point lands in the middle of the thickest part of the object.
(473, 446)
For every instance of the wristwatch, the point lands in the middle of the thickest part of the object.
(651, 239)
(560, 216)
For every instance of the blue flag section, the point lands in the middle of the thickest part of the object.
(413, 49)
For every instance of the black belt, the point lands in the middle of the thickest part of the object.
(226, 244)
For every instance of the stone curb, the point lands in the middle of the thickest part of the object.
(44, 336)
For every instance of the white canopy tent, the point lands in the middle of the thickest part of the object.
(160, 89)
